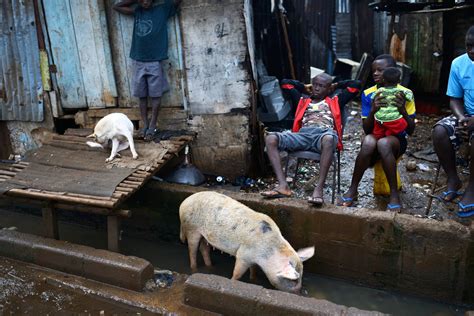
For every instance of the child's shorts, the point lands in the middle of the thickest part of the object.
(308, 138)
(382, 129)
(148, 79)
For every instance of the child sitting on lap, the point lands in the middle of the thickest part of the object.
(388, 120)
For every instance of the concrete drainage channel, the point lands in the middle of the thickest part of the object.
(382, 250)
(210, 293)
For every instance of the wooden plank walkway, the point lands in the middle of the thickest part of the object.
(52, 201)
(123, 191)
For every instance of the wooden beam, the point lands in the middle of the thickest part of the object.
(50, 222)
(113, 233)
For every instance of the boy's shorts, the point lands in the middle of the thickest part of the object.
(307, 138)
(450, 123)
(148, 79)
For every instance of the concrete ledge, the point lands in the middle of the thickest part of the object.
(378, 249)
(100, 265)
(228, 297)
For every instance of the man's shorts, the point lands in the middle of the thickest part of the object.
(148, 79)
(308, 138)
(450, 124)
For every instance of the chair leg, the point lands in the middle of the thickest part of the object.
(433, 188)
(338, 172)
(296, 172)
(333, 181)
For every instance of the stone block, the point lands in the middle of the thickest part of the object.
(221, 295)
(16, 245)
(228, 297)
(113, 268)
(60, 256)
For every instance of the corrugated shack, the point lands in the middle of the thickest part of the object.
(65, 63)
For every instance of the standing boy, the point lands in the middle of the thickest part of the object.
(149, 48)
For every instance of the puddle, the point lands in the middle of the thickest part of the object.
(173, 256)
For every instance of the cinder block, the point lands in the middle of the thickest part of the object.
(221, 295)
(228, 297)
(60, 256)
(100, 265)
(113, 268)
(16, 245)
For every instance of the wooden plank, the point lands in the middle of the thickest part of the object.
(53, 196)
(50, 222)
(65, 55)
(113, 233)
(94, 53)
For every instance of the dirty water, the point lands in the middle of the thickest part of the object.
(173, 256)
(416, 184)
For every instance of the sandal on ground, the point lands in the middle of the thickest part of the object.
(346, 201)
(150, 133)
(448, 196)
(275, 194)
(142, 133)
(316, 201)
(465, 210)
(394, 207)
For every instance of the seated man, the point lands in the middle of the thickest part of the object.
(451, 131)
(317, 127)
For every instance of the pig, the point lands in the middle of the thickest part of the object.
(213, 219)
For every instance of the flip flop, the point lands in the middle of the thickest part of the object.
(394, 207)
(452, 193)
(316, 201)
(150, 133)
(274, 194)
(465, 210)
(346, 201)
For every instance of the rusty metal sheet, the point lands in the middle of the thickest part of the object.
(21, 93)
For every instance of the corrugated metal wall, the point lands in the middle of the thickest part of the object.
(20, 81)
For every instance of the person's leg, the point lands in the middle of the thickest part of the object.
(388, 148)
(271, 141)
(155, 105)
(328, 144)
(447, 158)
(363, 161)
(144, 114)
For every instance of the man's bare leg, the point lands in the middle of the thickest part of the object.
(144, 114)
(327, 150)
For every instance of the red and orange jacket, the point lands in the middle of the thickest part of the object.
(333, 107)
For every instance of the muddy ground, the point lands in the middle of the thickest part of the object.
(416, 185)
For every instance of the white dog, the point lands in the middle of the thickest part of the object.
(118, 128)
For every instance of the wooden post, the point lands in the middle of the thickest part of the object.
(113, 233)
(50, 221)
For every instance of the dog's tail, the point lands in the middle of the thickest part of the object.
(94, 144)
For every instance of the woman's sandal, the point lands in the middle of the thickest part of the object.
(316, 201)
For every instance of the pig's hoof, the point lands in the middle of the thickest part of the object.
(109, 159)
(135, 156)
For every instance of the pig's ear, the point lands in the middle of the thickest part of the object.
(305, 253)
(289, 273)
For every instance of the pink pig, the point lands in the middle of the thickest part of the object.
(253, 238)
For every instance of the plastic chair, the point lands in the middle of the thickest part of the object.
(311, 155)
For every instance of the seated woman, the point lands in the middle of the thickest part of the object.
(388, 148)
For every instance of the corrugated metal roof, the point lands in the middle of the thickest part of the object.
(20, 78)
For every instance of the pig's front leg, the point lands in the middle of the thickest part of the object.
(205, 252)
(240, 268)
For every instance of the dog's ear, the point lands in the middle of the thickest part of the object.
(93, 135)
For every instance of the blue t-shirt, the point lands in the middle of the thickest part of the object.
(150, 32)
(461, 82)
